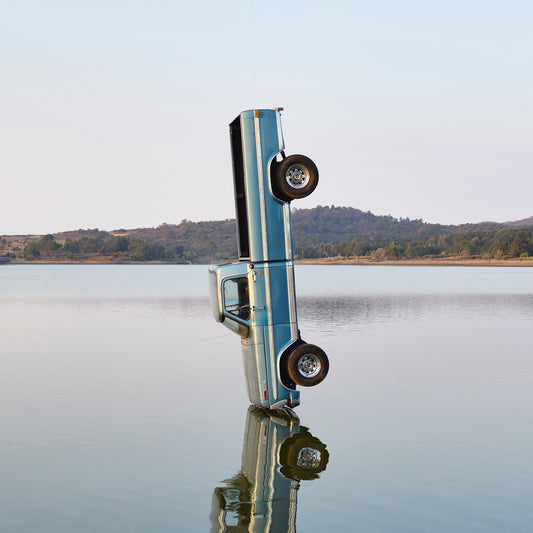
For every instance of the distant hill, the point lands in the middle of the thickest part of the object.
(319, 232)
(337, 224)
(523, 222)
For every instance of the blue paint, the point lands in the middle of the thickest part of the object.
(255, 297)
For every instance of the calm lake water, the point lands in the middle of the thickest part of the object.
(123, 404)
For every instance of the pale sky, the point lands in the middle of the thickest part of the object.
(114, 114)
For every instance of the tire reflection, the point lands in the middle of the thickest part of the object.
(277, 454)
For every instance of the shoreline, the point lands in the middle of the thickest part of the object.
(435, 262)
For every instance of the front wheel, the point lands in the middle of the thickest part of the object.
(307, 365)
(302, 456)
(295, 177)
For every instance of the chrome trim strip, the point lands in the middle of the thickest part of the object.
(271, 477)
(271, 354)
(287, 224)
(281, 141)
(293, 503)
(261, 187)
(268, 295)
(292, 301)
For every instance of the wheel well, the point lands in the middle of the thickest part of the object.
(274, 163)
(283, 372)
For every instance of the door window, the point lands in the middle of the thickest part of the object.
(237, 298)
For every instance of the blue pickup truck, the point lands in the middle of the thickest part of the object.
(255, 297)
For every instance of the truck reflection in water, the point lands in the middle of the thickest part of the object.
(277, 454)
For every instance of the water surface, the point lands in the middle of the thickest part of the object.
(123, 407)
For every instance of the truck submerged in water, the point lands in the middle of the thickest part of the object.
(256, 297)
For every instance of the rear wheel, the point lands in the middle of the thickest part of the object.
(307, 365)
(294, 177)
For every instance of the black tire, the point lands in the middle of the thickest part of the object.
(294, 177)
(307, 365)
(302, 456)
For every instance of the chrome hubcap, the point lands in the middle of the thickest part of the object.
(308, 458)
(309, 366)
(297, 176)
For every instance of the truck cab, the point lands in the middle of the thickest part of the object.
(255, 297)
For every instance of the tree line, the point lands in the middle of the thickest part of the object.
(320, 232)
(105, 246)
(505, 244)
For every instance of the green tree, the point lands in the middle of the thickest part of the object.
(115, 245)
(141, 250)
(31, 250)
(71, 246)
(48, 244)
(519, 245)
